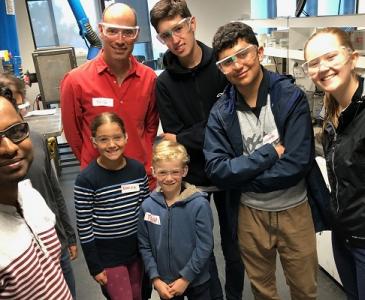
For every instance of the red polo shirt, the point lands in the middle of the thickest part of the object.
(92, 89)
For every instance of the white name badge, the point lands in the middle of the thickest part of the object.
(103, 102)
(130, 188)
(271, 137)
(152, 218)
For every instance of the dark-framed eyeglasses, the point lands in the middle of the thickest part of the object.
(16, 132)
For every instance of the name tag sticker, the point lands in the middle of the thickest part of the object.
(103, 102)
(271, 137)
(152, 218)
(130, 188)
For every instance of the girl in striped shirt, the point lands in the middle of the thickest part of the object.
(108, 194)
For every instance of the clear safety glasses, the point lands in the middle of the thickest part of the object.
(106, 140)
(245, 55)
(331, 59)
(182, 27)
(113, 31)
(162, 174)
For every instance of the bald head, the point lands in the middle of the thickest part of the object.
(117, 11)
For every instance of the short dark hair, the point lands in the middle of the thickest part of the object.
(228, 35)
(168, 9)
(14, 83)
(104, 118)
(6, 93)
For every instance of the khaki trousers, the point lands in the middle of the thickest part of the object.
(262, 234)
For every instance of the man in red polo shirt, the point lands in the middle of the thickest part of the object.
(113, 81)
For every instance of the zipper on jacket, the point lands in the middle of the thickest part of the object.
(333, 166)
(168, 237)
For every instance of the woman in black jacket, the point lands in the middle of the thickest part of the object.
(330, 63)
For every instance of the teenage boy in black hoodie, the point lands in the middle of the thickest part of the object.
(185, 93)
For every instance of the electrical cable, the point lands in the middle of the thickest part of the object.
(275, 63)
(299, 8)
(339, 7)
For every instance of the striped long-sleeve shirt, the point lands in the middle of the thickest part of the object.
(30, 250)
(107, 207)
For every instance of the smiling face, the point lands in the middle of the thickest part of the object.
(110, 141)
(182, 40)
(244, 73)
(169, 175)
(15, 158)
(117, 48)
(332, 78)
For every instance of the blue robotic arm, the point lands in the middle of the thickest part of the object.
(86, 31)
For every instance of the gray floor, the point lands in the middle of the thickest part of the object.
(87, 288)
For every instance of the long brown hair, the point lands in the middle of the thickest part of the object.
(331, 106)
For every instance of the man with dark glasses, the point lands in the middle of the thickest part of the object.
(185, 92)
(45, 181)
(259, 146)
(30, 249)
(16, 133)
(114, 81)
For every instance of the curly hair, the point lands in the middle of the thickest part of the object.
(228, 35)
(6, 93)
(15, 84)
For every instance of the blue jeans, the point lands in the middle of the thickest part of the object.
(350, 263)
(68, 272)
(235, 270)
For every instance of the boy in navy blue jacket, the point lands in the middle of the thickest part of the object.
(176, 229)
(259, 147)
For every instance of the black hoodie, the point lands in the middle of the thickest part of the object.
(184, 98)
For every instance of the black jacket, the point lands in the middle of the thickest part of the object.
(44, 180)
(344, 150)
(184, 99)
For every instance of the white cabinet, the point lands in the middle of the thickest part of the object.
(324, 241)
(325, 254)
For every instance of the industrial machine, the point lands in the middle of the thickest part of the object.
(10, 60)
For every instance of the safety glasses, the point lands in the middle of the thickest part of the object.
(248, 54)
(182, 27)
(331, 59)
(113, 31)
(105, 140)
(162, 174)
(16, 133)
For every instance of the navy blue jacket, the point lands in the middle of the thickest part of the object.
(177, 241)
(262, 171)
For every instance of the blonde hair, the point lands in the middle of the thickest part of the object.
(332, 110)
(169, 150)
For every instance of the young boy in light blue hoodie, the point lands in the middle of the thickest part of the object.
(176, 229)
